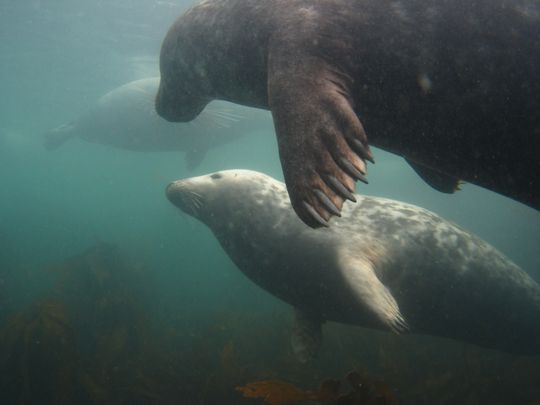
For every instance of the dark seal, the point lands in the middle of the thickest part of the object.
(452, 86)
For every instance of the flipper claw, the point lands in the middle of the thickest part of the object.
(363, 150)
(327, 203)
(353, 171)
(340, 188)
(314, 214)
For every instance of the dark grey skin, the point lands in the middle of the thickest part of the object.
(452, 86)
(384, 264)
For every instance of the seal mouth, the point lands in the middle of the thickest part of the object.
(177, 106)
(180, 195)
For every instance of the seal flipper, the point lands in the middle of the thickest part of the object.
(439, 181)
(58, 136)
(194, 158)
(371, 292)
(322, 144)
(306, 335)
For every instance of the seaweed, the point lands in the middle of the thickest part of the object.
(39, 361)
(363, 391)
(98, 336)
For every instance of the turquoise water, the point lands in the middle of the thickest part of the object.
(56, 59)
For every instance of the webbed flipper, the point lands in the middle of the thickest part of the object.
(194, 158)
(322, 144)
(370, 291)
(306, 335)
(439, 181)
(58, 136)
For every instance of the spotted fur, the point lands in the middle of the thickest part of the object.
(384, 264)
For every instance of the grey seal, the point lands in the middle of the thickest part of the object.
(384, 264)
(125, 118)
(452, 86)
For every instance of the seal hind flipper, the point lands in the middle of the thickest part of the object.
(439, 181)
(371, 292)
(194, 158)
(306, 335)
(322, 143)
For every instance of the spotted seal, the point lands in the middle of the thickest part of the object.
(384, 264)
(452, 86)
(125, 118)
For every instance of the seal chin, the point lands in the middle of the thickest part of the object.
(173, 107)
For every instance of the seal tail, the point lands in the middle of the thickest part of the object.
(58, 136)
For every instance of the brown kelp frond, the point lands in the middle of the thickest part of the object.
(364, 391)
(275, 392)
(38, 355)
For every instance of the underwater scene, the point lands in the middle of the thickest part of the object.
(154, 257)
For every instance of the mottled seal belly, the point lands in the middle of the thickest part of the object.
(384, 264)
(452, 86)
(125, 118)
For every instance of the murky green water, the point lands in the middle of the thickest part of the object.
(166, 317)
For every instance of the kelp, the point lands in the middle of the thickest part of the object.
(363, 391)
(39, 361)
(97, 337)
(87, 341)
(276, 392)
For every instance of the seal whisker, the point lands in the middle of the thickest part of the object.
(195, 199)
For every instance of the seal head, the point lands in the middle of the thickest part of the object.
(184, 88)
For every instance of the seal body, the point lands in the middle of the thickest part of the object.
(126, 118)
(452, 86)
(384, 264)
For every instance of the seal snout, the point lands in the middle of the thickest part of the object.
(178, 106)
(164, 107)
(173, 193)
(182, 196)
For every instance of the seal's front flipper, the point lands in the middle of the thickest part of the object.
(58, 136)
(306, 335)
(439, 181)
(368, 289)
(322, 144)
(194, 158)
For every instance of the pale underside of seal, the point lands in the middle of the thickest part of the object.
(384, 264)
(452, 86)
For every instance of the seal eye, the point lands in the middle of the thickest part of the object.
(216, 176)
